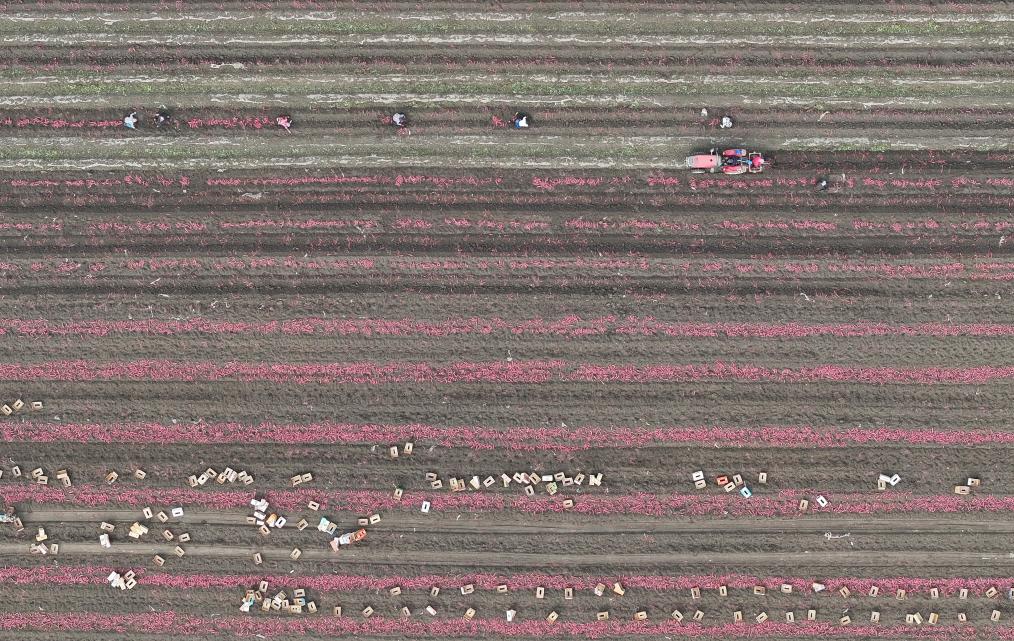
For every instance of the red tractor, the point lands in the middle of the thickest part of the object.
(730, 161)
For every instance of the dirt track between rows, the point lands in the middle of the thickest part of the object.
(396, 522)
(803, 560)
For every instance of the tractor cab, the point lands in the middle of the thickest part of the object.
(730, 161)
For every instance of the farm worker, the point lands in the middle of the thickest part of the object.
(822, 184)
(726, 123)
(130, 121)
(284, 122)
(520, 120)
(757, 161)
(399, 119)
(731, 158)
(162, 117)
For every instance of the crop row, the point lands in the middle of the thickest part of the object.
(538, 223)
(515, 439)
(501, 372)
(871, 180)
(535, 234)
(622, 21)
(784, 504)
(628, 62)
(913, 586)
(774, 202)
(569, 327)
(942, 267)
(169, 622)
(505, 83)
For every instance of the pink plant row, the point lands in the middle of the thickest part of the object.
(528, 439)
(916, 229)
(946, 268)
(971, 205)
(263, 627)
(59, 123)
(249, 122)
(379, 179)
(783, 504)
(365, 373)
(141, 180)
(571, 327)
(96, 575)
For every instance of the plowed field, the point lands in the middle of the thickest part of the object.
(563, 300)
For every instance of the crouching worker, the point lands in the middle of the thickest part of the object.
(162, 118)
(520, 120)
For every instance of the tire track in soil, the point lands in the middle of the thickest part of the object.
(399, 523)
(371, 558)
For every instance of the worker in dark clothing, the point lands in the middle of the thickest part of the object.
(162, 118)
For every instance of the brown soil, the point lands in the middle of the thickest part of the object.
(233, 216)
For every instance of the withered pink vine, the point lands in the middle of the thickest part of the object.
(96, 575)
(570, 327)
(491, 372)
(515, 438)
(167, 622)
